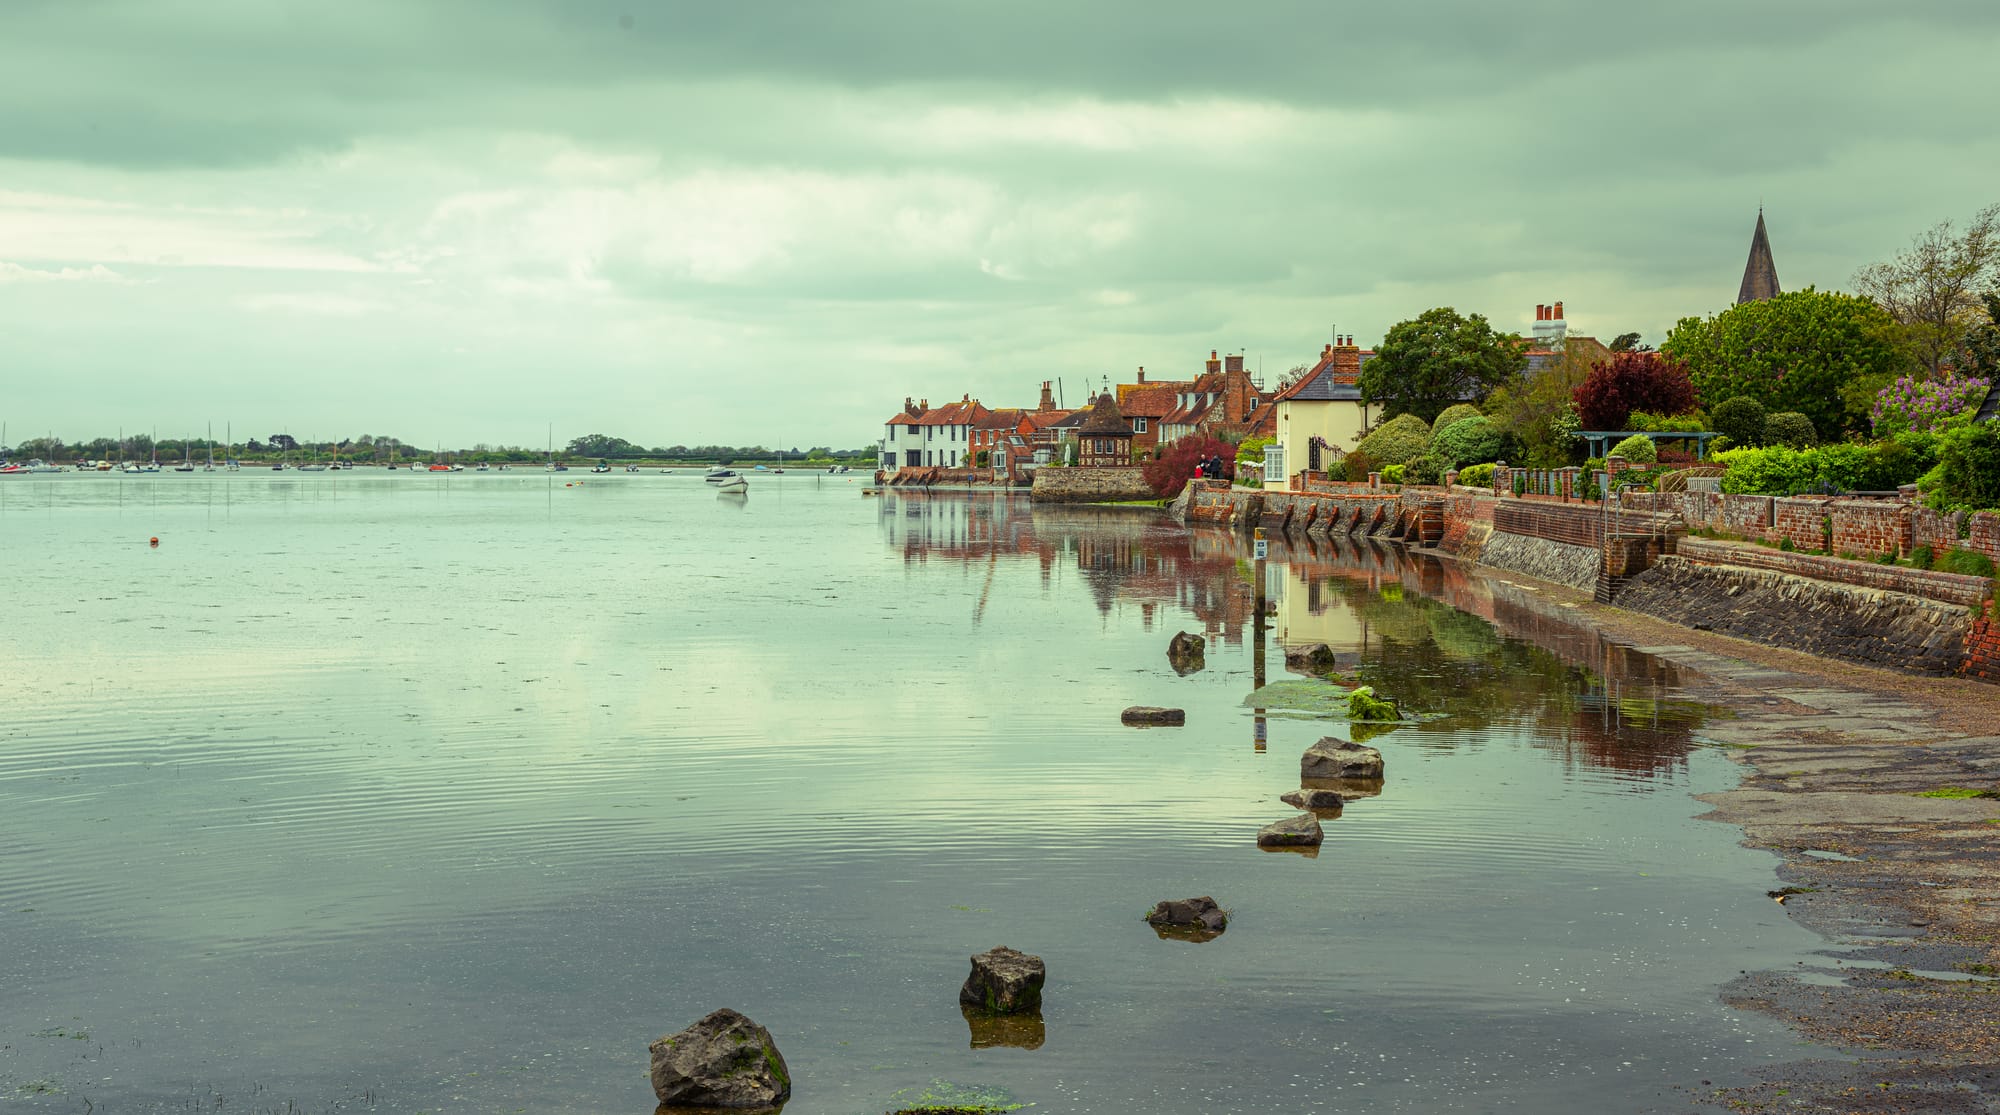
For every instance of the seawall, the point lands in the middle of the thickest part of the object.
(1639, 555)
(1089, 485)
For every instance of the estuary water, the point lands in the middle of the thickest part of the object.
(396, 792)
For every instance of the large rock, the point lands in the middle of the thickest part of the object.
(1004, 981)
(1339, 758)
(1315, 659)
(1151, 715)
(1194, 916)
(1185, 652)
(1302, 831)
(1315, 800)
(724, 1060)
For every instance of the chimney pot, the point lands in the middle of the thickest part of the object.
(1558, 314)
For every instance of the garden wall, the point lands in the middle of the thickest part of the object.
(1089, 485)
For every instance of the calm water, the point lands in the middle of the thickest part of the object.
(408, 793)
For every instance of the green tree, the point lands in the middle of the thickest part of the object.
(1821, 353)
(1932, 288)
(1539, 409)
(1629, 342)
(1439, 358)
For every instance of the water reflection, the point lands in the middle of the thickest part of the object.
(1015, 1031)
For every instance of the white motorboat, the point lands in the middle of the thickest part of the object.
(731, 484)
(718, 475)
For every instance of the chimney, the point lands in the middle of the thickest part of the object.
(1048, 397)
(1558, 315)
(923, 404)
(1214, 362)
(1549, 327)
(1326, 351)
(1233, 364)
(1142, 374)
(1346, 361)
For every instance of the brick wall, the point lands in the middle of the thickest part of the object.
(1936, 529)
(1803, 520)
(1868, 528)
(1983, 535)
(1749, 516)
(1982, 651)
(1574, 524)
(1949, 588)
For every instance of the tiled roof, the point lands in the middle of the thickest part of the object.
(1318, 386)
(953, 414)
(1151, 401)
(1104, 419)
(902, 419)
(1006, 418)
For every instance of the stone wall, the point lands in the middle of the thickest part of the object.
(1560, 562)
(1870, 528)
(1089, 485)
(1576, 524)
(1937, 529)
(1983, 535)
(1849, 622)
(1946, 588)
(1982, 650)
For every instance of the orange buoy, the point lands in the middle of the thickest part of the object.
(155, 542)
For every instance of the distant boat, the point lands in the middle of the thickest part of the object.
(731, 484)
(718, 475)
(39, 465)
(187, 461)
(12, 470)
(601, 466)
(435, 467)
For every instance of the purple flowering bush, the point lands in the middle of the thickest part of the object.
(1925, 405)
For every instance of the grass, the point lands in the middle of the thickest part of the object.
(1958, 792)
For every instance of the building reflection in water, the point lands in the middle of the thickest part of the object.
(1438, 636)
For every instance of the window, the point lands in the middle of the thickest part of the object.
(1138, 425)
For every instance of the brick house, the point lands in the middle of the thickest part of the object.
(1104, 438)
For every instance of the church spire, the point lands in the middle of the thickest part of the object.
(1760, 275)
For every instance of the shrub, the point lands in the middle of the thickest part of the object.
(1789, 427)
(1391, 474)
(1398, 441)
(1356, 466)
(1741, 420)
(1922, 556)
(1476, 476)
(1925, 405)
(1168, 473)
(1637, 449)
(1629, 381)
(1466, 442)
(1785, 544)
(1251, 449)
(1457, 412)
(1423, 470)
(1691, 422)
(1965, 561)
(1967, 476)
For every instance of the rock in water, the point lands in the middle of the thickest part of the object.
(1148, 714)
(1299, 832)
(1315, 659)
(1185, 652)
(1339, 758)
(1004, 981)
(1363, 704)
(1310, 798)
(1200, 914)
(724, 1060)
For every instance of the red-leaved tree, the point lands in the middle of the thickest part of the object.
(1630, 381)
(1168, 473)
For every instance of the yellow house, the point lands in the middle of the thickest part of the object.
(1321, 418)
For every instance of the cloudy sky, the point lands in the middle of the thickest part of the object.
(466, 220)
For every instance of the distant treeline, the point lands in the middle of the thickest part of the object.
(382, 449)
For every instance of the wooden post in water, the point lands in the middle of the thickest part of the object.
(1257, 629)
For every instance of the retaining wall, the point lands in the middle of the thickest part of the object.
(1850, 622)
(1870, 528)
(1089, 485)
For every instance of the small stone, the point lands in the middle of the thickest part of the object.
(1151, 715)
(1004, 981)
(724, 1060)
(1314, 799)
(1200, 915)
(1338, 758)
(1185, 652)
(1296, 832)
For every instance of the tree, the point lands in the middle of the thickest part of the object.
(1821, 353)
(1629, 342)
(1982, 343)
(1539, 409)
(1932, 289)
(1740, 419)
(283, 441)
(1292, 375)
(1168, 473)
(1632, 381)
(1439, 358)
